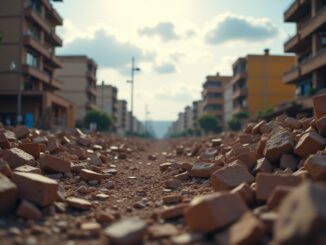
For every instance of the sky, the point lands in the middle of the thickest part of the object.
(176, 43)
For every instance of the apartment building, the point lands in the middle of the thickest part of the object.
(257, 83)
(78, 77)
(122, 114)
(228, 102)
(189, 124)
(197, 113)
(28, 64)
(107, 101)
(309, 44)
(212, 95)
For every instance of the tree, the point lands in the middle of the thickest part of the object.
(210, 123)
(241, 115)
(235, 124)
(103, 121)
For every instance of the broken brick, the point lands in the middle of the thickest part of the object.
(89, 175)
(321, 126)
(8, 194)
(263, 166)
(319, 105)
(203, 170)
(35, 188)
(174, 211)
(278, 194)
(316, 166)
(266, 183)
(21, 131)
(31, 148)
(309, 143)
(78, 203)
(52, 164)
(245, 192)
(288, 161)
(28, 210)
(16, 157)
(230, 176)
(213, 212)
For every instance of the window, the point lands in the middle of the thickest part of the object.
(35, 4)
(31, 59)
(304, 88)
(32, 32)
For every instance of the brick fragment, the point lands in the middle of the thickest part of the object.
(28, 169)
(16, 157)
(247, 230)
(263, 166)
(203, 170)
(8, 194)
(4, 142)
(53, 146)
(35, 188)
(319, 105)
(5, 169)
(126, 232)
(171, 199)
(288, 161)
(293, 123)
(78, 203)
(316, 166)
(321, 126)
(309, 143)
(33, 149)
(28, 210)
(92, 228)
(213, 212)
(89, 175)
(173, 184)
(52, 164)
(160, 231)
(267, 182)
(245, 192)
(174, 211)
(302, 216)
(230, 176)
(280, 143)
(21, 131)
(278, 194)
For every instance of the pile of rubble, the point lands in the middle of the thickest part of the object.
(265, 185)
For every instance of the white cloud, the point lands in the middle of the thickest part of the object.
(230, 27)
(165, 68)
(165, 30)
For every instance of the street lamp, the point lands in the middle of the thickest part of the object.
(133, 69)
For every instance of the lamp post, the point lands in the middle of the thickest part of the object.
(133, 69)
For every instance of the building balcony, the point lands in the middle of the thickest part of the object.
(34, 72)
(295, 10)
(212, 101)
(91, 76)
(238, 77)
(91, 90)
(314, 63)
(37, 18)
(292, 74)
(56, 83)
(209, 90)
(57, 19)
(36, 45)
(291, 44)
(91, 106)
(242, 92)
(314, 23)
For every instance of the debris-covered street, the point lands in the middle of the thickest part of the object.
(265, 185)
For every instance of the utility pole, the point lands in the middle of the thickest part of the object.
(133, 69)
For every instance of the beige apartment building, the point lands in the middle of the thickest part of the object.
(78, 77)
(212, 95)
(107, 101)
(308, 74)
(28, 64)
(122, 114)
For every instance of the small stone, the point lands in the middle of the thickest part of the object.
(28, 210)
(171, 199)
(187, 239)
(203, 170)
(321, 126)
(21, 131)
(89, 175)
(127, 231)
(174, 211)
(93, 228)
(162, 231)
(104, 217)
(173, 184)
(319, 105)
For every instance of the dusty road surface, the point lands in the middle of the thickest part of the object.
(263, 185)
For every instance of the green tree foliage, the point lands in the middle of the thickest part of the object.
(104, 122)
(210, 123)
(235, 124)
(264, 112)
(241, 115)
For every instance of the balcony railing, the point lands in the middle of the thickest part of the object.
(313, 23)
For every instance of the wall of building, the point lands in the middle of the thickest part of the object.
(265, 84)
